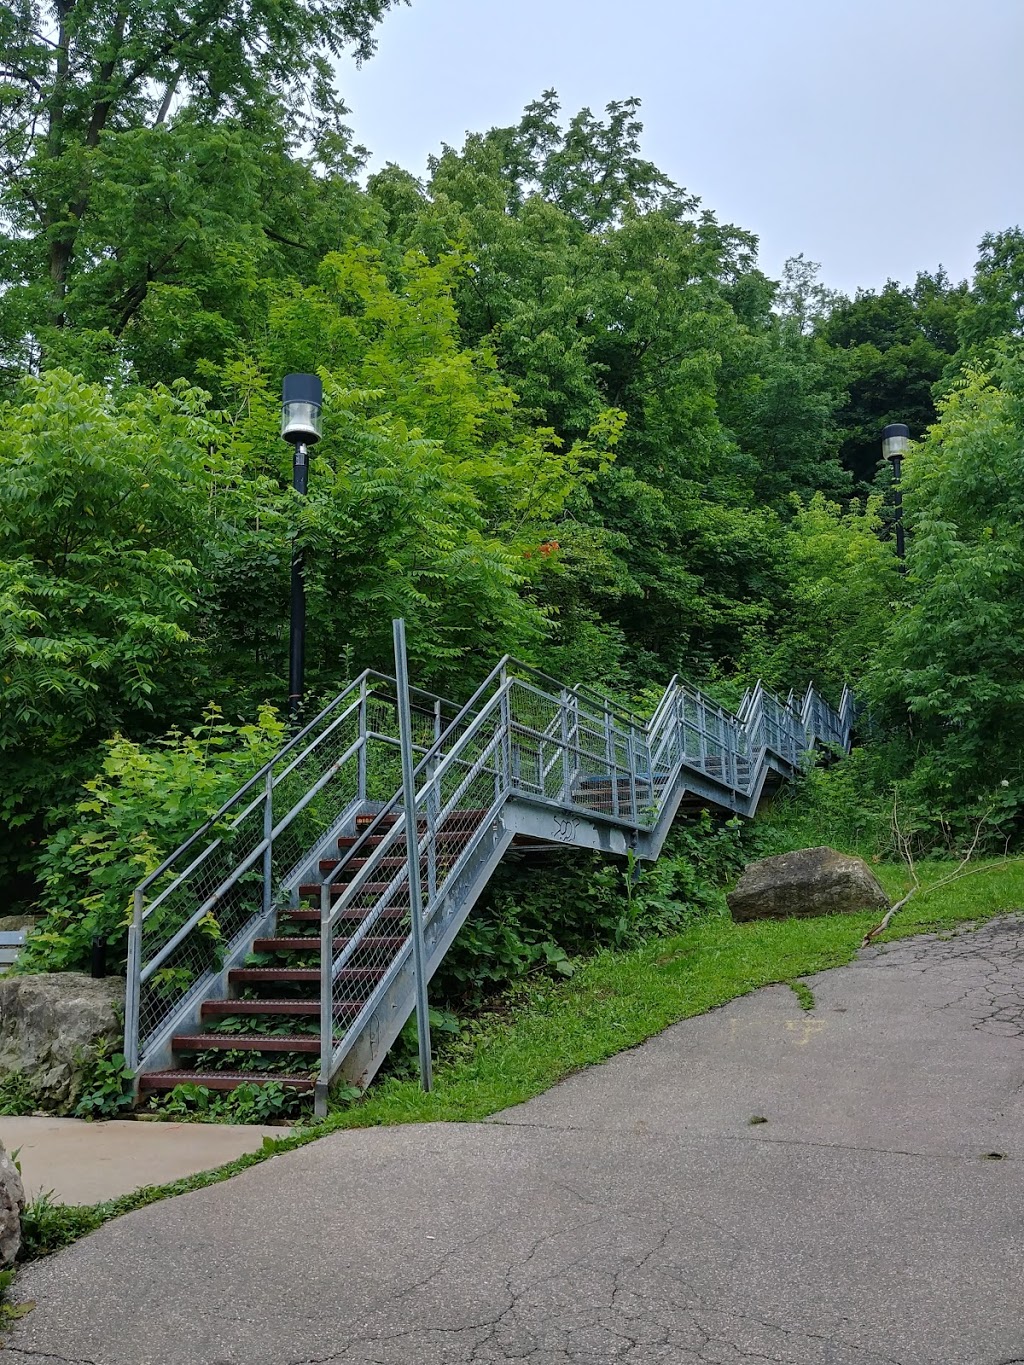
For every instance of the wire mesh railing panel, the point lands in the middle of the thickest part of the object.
(204, 900)
(367, 902)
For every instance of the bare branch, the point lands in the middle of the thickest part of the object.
(960, 871)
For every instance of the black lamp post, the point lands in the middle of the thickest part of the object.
(300, 425)
(895, 443)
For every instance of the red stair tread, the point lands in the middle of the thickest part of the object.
(310, 1008)
(245, 1042)
(221, 1080)
(357, 864)
(455, 818)
(367, 888)
(294, 973)
(313, 916)
(311, 942)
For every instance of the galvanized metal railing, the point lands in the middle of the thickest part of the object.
(195, 916)
(522, 737)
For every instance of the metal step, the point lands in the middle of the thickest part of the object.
(312, 889)
(360, 913)
(311, 943)
(221, 1080)
(309, 1009)
(453, 836)
(246, 1042)
(244, 976)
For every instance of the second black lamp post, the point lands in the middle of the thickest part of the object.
(895, 444)
(302, 401)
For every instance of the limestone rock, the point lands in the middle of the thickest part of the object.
(812, 881)
(50, 1028)
(12, 1206)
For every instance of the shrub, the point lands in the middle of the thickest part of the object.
(144, 801)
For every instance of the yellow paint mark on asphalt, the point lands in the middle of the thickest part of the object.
(806, 1028)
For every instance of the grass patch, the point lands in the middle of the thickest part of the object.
(803, 993)
(614, 1001)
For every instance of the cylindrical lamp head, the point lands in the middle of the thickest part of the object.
(300, 409)
(895, 441)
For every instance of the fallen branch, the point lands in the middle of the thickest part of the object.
(961, 870)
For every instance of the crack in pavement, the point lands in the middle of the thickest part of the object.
(44, 1355)
(745, 1140)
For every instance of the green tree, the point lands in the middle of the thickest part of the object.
(105, 509)
(598, 283)
(953, 659)
(996, 297)
(110, 107)
(429, 497)
(842, 581)
(896, 345)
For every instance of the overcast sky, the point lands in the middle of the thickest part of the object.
(878, 137)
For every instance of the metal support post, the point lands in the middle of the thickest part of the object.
(268, 852)
(322, 1088)
(503, 779)
(412, 853)
(297, 639)
(432, 812)
(897, 498)
(612, 759)
(132, 989)
(361, 761)
(631, 761)
(563, 715)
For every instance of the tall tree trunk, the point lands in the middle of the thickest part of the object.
(62, 244)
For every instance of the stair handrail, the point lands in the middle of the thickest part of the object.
(145, 962)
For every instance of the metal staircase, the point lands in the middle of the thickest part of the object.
(280, 932)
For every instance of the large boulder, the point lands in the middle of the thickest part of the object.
(12, 1206)
(812, 881)
(52, 1027)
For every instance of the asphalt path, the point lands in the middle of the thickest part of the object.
(633, 1214)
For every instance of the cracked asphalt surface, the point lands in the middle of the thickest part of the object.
(632, 1214)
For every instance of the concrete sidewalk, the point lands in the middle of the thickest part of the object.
(632, 1215)
(83, 1163)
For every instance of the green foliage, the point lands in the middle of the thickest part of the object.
(842, 586)
(846, 805)
(567, 416)
(137, 144)
(997, 297)
(16, 1095)
(895, 346)
(48, 1225)
(616, 293)
(144, 801)
(107, 1087)
(805, 997)
(952, 662)
(105, 503)
(533, 923)
(265, 1103)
